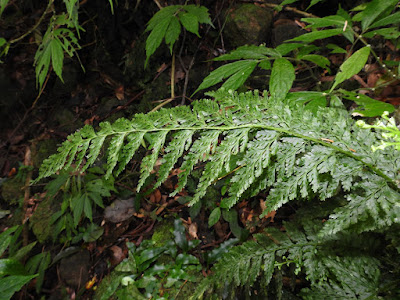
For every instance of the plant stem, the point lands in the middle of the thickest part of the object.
(35, 26)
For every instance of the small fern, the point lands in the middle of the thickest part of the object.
(264, 144)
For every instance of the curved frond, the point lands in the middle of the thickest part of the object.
(261, 143)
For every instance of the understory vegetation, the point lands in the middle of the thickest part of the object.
(303, 180)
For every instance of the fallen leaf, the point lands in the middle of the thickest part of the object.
(193, 231)
(120, 92)
(117, 255)
(119, 211)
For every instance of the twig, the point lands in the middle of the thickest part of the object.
(42, 89)
(158, 4)
(35, 26)
(173, 76)
(27, 192)
(288, 8)
(119, 108)
(162, 104)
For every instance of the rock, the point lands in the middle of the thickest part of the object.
(41, 220)
(248, 24)
(12, 190)
(284, 32)
(74, 269)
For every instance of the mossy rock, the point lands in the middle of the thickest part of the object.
(248, 24)
(163, 233)
(12, 191)
(40, 221)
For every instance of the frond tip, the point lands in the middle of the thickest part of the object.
(262, 144)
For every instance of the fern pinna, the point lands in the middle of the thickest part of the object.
(261, 144)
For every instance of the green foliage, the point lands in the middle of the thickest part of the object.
(80, 195)
(265, 144)
(166, 25)
(3, 4)
(151, 271)
(331, 267)
(246, 58)
(56, 40)
(13, 275)
(389, 130)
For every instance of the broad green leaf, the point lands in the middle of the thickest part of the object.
(389, 20)
(238, 79)
(70, 5)
(108, 286)
(180, 235)
(285, 48)
(44, 264)
(111, 6)
(172, 34)
(335, 21)
(352, 66)
(21, 253)
(286, 2)
(201, 12)
(282, 77)
(3, 4)
(156, 36)
(226, 71)
(57, 57)
(319, 60)
(77, 203)
(265, 64)
(10, 266)
(11, 284)
(336, 49)
(373, 10)
(161, 15)
(5, 238)
(312, 100)
(387, 33)
(2, 41)
(316, 35)
(214, 216)
(93, 233)
(186, 259)
(190, 22)
(313, 2)
(42, 62)
(248, 52)
(87, 208)
(368, 107)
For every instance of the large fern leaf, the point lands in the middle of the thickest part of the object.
(263, 144)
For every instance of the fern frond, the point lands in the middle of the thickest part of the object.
(324, 265)
(263, 144)
(353, 278)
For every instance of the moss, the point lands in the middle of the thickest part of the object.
(248, 24)
(163, 233)
(12, 191)
(41, 220)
